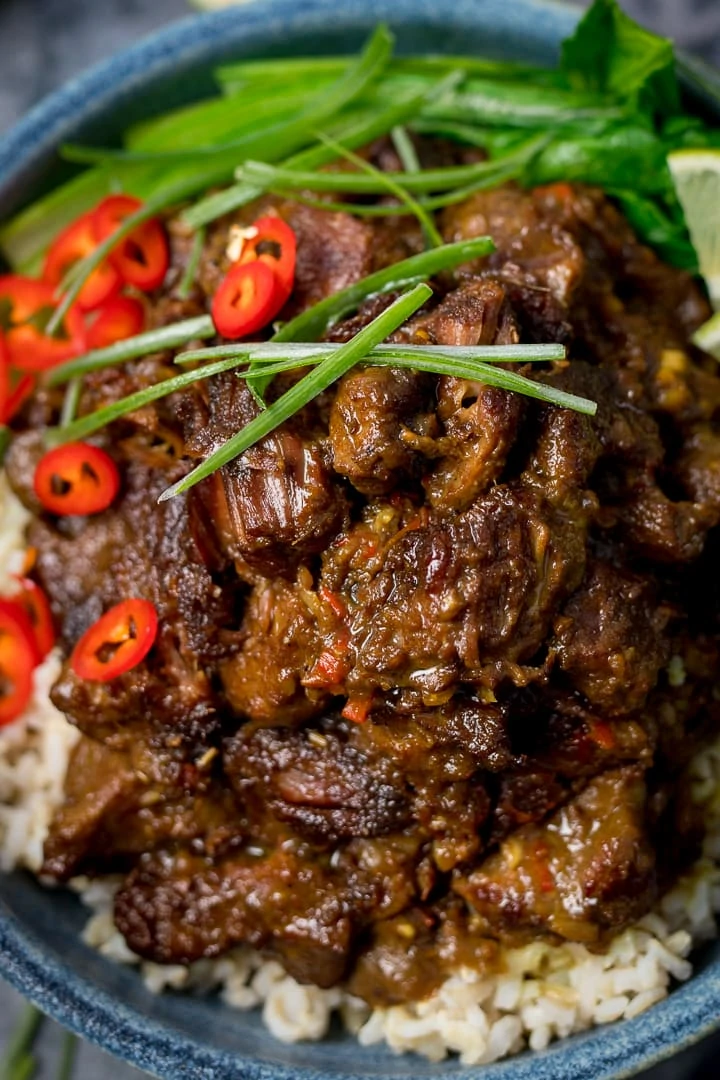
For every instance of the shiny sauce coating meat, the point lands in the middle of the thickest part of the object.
(489, 589)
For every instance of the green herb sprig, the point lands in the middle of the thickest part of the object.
(151, 341)
(325, 374)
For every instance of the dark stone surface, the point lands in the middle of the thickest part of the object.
(45, 42)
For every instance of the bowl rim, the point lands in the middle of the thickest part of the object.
(689, 1014)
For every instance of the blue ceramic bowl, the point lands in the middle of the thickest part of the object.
(42, 955)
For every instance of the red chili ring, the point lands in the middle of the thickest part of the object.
(120, 318)
(18, 659)
(29, 305)
(76, 479)
(117, 642)
(73, 244)
(248, 298)
(274, 244)
(143, 257)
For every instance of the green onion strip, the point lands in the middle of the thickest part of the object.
(165, 337)
(273, 142)
(432, 236)
(325, 374)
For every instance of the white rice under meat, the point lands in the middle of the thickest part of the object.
(544, 991)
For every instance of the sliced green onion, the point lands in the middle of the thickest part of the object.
(299, 353)
(371, 126)
(404, 148)
(328, 372)
(267, 176)
(312, 324)
(86, 425)
(5, 440)
(67, 1060)
(188, 279)
(511, 171)
(432, 361)
(71, 402)
(152, 341)
(432, 236)
(19, 1050)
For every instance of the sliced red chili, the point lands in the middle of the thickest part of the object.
(4, 381)
(76, 479)
(275, 245)
(18, 659)
(120, 318)
(26, 306)
(249, 297)
(19, 393)
(143, 257)
(73, 244)
(117, 642)
(34, 602)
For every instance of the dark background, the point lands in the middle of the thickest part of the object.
(45, 42)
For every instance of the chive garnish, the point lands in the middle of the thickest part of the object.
(18, 1060)
(391, 185)
(325, 374)
(352, 135)
(471, 363)
(94, 421)
(298, 353)
(151, 341)
(426, 180)
(433, 362)
(67, 1059)
(404, 148)
(312, 324)
(188, 279)
(71, 401)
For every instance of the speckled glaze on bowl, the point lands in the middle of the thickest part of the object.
(178, 1037)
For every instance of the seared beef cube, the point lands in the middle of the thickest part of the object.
(476, 313)
(334, 250)
(372, 411)
(317, 782)
(278, 502)
(590, 868)
(610, 641)
(450, 597)
(176, 908)
(264, 680)
(114, 811)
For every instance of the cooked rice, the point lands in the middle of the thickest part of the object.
(544, 991)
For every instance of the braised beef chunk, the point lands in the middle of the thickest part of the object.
(318, 782)
(433, 657)
(589, 867)
(373, 411)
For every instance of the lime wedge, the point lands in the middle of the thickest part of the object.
(696, 174)
(708, 336)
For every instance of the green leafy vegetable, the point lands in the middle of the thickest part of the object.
(610, 53)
